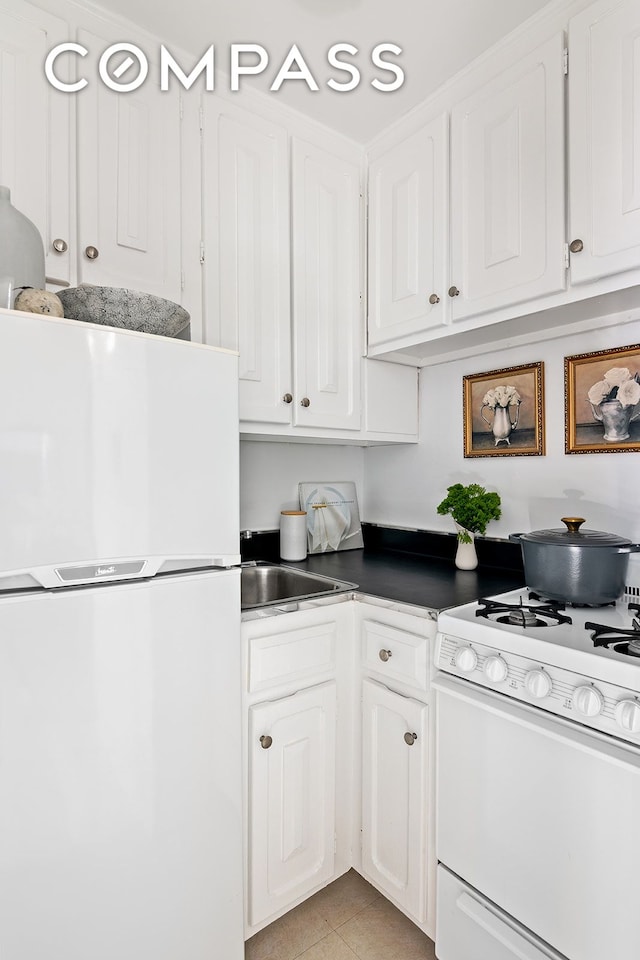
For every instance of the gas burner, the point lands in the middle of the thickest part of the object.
(617, 639)
(521, 614)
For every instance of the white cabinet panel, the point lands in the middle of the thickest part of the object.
(292, 798)
(408, 235)
(394, 796)
(129, 185)
(34, 119)
(604, 144)
(507, 187)
(246, 222)
(292, 656)
(326, 293)
(395, 655)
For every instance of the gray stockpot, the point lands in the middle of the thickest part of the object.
(576, 566)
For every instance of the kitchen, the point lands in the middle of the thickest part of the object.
(399, 482)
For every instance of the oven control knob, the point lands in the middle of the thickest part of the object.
(495, 669)
(588, 701)
(466, 659)
(538, 684)
(628, 716)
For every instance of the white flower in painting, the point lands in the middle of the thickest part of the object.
(617, 375)
(599, 391)
(489, 399)
(629, 393)
(507, 396)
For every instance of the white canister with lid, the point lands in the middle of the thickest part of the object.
(293, 534)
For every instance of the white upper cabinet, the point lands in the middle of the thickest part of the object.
(604, 152)
(408, 235)
(34, 117)
(247, 275)
(128, 181)
(507, 186)
(326, 289)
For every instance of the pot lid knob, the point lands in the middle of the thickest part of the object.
(573, 524)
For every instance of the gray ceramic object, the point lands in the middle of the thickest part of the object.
(585, 567)
(128, 309)
(21, 251)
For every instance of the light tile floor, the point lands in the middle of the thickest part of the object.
(348, 920)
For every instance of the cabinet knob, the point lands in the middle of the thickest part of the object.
(410, 739)
(576, 246)
(60, 245)
(305, 402)
(265, 741)
(454, 292)
(91, 253)
(434, 298)
(288, 398)
(385, 655)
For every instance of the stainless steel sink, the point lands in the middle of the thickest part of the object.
(272, 583)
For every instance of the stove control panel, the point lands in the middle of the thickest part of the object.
(602, 706)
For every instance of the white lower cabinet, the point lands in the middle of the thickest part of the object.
(394, 795)
(292, 798)
(338, 756)
(299, 742)
(397, 799)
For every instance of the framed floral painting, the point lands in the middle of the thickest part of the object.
(504, 412)
(602, 401)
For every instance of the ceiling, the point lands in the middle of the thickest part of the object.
(437, 37)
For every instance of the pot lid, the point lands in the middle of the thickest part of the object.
(573, 535)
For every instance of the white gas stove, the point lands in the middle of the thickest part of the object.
(538, 779)
(576, 662)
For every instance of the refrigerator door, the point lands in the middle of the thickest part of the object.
(118, 453)
(120, 777)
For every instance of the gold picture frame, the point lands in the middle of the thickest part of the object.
(595, 420)
(504, 412)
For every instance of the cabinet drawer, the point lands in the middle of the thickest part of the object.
(305, 653)
(395, 654)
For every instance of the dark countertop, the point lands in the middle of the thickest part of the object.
(408, 577)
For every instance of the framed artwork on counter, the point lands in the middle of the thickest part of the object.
(504, 412)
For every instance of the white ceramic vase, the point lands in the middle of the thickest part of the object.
(466, 556)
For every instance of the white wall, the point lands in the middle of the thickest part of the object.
(270, 474)
(403, 486)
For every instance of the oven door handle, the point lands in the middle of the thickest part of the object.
(516, 944)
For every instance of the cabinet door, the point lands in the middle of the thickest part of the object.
(326, 288)
(408, 222)
(507, 187)
(291, 798)
(34, 119)
(394, 796)
(128, 182)
(247, 275)
(604, 138)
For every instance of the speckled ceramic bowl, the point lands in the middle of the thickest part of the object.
(129, 309)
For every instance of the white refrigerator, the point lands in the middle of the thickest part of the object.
(120, 774)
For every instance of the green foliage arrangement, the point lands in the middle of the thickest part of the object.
(472, 507)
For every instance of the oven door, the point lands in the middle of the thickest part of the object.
(541, 816)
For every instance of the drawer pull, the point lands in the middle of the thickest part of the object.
(265, 741)
(385, 655)
(410, 739)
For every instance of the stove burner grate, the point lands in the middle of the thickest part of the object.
(521, 614)
(617, 639)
